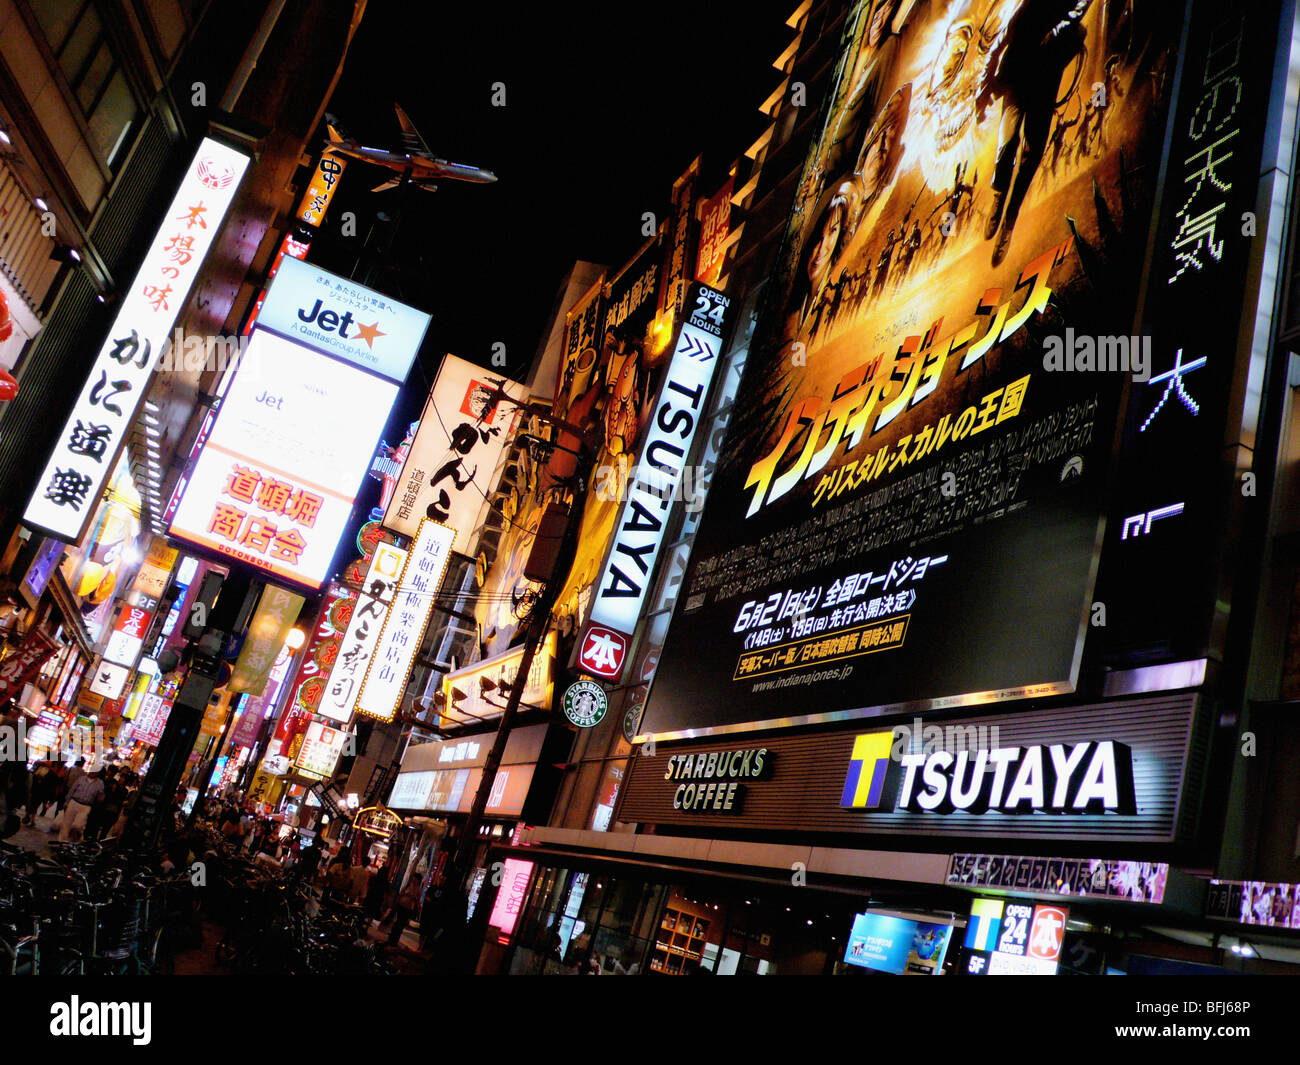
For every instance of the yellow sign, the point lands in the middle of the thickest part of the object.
(481, 690)
(320, 190)
(276, 613)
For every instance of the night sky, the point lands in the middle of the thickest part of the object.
(599, 120)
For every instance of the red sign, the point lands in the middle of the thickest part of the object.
(321, 651)
(603, 652)
(715, 227)
(23, 665)
(1046, 932)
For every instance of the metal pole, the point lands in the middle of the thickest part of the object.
(537, 625)
(153, 806)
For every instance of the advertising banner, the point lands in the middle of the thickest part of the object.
(896, 945)
(276, 612)
(349, 669)
(449, 465)
(73, 479)
(24, 665)
(321, 748)
(399, 640)
(624, 580)
(915, 474)
(319, 657)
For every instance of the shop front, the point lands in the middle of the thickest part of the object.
(770, 853)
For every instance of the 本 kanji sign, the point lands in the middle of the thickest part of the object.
(390, 666)
(74, 477)
(603, 652)
(344, 683)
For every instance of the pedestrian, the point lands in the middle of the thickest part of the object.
(376, 890)
(308, 861)
(108, 809)
(45, 785)
(338, 884)
(408, 901)
(82, 798)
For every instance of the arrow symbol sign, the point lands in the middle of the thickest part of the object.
(695, 348)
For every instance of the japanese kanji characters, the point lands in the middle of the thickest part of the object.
(90, 439)
(68, 488)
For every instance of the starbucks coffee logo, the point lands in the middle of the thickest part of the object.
(585, 703)
(631, 720)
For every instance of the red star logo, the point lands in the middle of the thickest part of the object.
(369, 333)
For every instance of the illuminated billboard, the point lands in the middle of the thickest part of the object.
(914, 476)
(449, 466)
(275, 483)
(74, 477)
(399, 640)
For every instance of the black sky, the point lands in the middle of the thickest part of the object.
(601, 115)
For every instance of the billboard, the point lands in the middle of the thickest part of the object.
(275, 483)
(399, 640)
(73, 479)
(349, 669)
(650, 488)
(448, 467)
(897, 945)
(915, 474)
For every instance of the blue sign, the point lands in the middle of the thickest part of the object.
(338, 317)
(896, 945)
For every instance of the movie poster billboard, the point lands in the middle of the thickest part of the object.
(910, 501)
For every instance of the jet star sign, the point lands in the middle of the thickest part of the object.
(624, 579)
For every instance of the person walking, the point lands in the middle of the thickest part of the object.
(408, 901)
(82, 797)
(376, 891)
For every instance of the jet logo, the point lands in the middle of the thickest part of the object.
(868, 767)
(603, 652)
(331, 322)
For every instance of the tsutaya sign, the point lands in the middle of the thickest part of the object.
(74, 477)
(1089, 777)
(625, 577)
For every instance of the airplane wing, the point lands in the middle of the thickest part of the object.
(411, 138)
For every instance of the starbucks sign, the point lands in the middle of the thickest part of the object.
(585, 703)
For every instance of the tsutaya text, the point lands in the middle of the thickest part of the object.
(916, 370)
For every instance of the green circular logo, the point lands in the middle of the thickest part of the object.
(631, 720)
(585, 703)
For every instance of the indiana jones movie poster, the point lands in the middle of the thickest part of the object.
(910, 504)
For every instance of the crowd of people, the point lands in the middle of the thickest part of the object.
(87, 801)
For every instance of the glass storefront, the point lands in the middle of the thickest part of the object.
(585, 921)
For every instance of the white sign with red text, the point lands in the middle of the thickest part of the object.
(73, 480)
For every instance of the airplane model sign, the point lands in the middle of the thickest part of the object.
(416, 164)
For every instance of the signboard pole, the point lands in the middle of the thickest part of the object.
(154, 804)
(537, 625)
